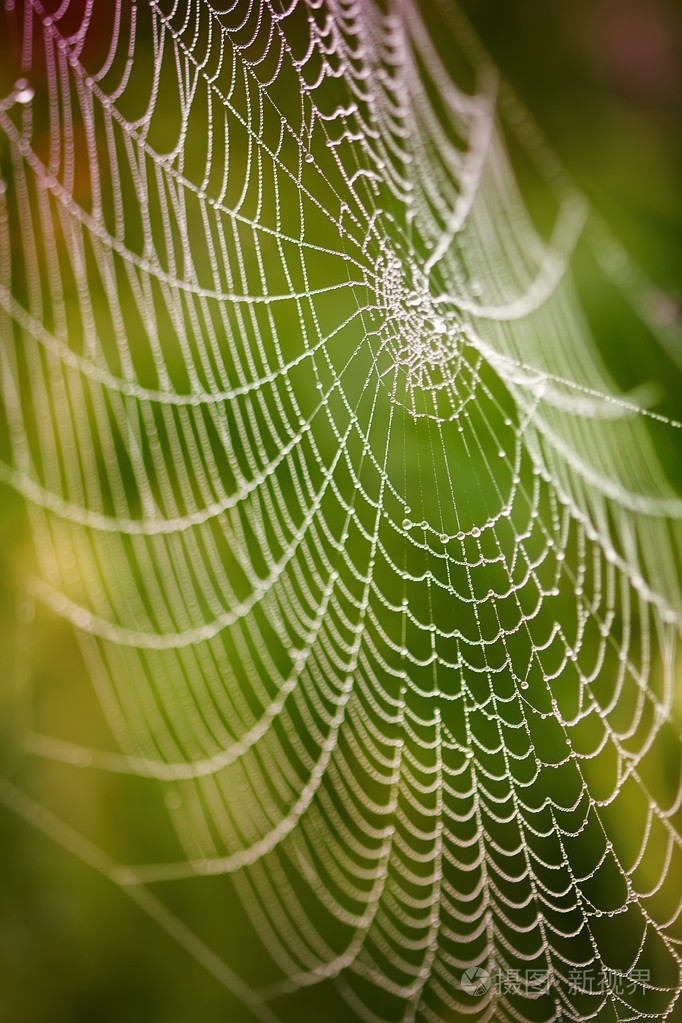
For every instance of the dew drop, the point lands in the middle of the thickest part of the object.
(476, 531)
(173, 801)
(24, 91)
(81, 757)
(80, 618)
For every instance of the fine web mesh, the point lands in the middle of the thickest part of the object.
(374, 569)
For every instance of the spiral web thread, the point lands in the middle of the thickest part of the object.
(374, 571)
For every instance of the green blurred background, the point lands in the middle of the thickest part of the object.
(603, 78)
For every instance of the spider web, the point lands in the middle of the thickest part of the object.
(374, 570)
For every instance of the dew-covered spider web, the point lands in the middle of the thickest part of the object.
(373, 569)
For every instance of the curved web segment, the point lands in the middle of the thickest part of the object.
(375, 574)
